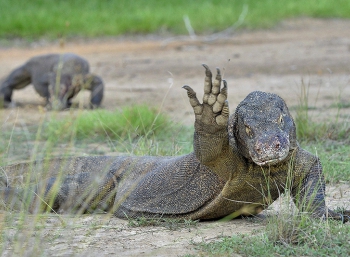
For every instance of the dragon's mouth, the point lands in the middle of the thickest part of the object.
(271, 161)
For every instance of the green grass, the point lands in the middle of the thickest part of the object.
(134, 121)
(138, 130)
(328, 139)
(304, 237)
(91, 18)
(335, 159)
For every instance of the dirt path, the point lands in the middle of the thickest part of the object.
(152, 71)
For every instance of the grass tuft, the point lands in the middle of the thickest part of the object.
(134, 121)
(286, 234)
(309, 130)
(328, 139)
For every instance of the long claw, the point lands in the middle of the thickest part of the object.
(190, 91)
(224, 88)
(207, 70)
(218, 71)
(196, 105)
(207, 82)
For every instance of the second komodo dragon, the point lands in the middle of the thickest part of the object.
(54, 76)
(240, 164)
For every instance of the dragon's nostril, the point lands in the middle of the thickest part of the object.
(277, 145)
(258, 149)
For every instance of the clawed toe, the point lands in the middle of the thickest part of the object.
(188, 88)
(214, 107)
(190, 91)
(207, 70)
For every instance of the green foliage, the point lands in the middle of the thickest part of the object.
(56, 19)
(335, 159)
(286, 235)
(132, 122)
(137, 130)
(15, 141)
(328, 139)
(308, 130)
(304, 126)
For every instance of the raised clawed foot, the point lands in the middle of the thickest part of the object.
(214, 109)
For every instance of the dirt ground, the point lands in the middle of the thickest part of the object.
(152, 70)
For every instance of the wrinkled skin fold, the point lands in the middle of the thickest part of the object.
(240, 163)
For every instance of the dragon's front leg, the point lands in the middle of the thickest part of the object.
(211, 117)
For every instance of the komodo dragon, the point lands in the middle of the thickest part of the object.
(69, 71)
(240, 163)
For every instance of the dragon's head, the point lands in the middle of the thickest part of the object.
(64, 90)
(263, 129)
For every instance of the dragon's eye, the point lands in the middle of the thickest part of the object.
(280, 120)
(248, 131)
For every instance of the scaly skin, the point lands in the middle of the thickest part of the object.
(240, 164)
(54, 76)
